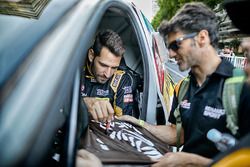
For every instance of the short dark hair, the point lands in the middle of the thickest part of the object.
(193, 17)
(111, 40)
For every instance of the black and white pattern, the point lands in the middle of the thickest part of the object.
(123, 143)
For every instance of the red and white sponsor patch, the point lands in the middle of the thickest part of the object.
(82, 88)
(128, 98)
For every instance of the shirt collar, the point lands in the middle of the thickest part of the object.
(225, 68)
(87, 69)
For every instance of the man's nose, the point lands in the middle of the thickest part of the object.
(108, 72)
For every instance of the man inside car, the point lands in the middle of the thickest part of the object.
(106, 88)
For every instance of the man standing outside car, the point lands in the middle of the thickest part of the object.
(192, 38)
(105, 89)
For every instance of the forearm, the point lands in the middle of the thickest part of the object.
(182, 159)
(166, 133)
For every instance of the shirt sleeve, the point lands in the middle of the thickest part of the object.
(171, 118)
(125, 95)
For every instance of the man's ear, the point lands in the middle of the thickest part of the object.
(203, 38)
(91, 55)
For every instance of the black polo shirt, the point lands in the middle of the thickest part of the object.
(201, 110)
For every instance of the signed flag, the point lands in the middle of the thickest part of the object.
(124, 143)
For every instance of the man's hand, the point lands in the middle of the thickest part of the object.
(182, 159)
(99, 108)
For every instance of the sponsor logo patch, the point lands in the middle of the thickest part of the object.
(116, 80)
(83, 94)
(82, 91)
(101, 92)
(93, 80)
(185, 104)
(127, 89)
(82, 88)
(128, 98)
(215, 113)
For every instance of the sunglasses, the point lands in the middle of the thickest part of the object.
(175, 45)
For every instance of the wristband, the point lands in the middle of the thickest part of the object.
(100, 98)
(141, 123)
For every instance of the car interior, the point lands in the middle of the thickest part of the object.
(117, 21)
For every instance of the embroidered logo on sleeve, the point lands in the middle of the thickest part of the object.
(215, 113)
(128, 98)
(127, 89)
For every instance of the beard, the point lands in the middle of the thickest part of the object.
(101, 79)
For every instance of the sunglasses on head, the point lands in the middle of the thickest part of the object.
(175, 45)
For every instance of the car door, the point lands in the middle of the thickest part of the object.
(40, 62)
(42, 114)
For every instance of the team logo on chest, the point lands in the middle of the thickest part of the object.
(83, 94)
(93, 80)
(82, 88)
(185, 104)
(101, 92)
(215, 113)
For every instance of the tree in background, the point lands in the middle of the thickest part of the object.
(169, 7)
